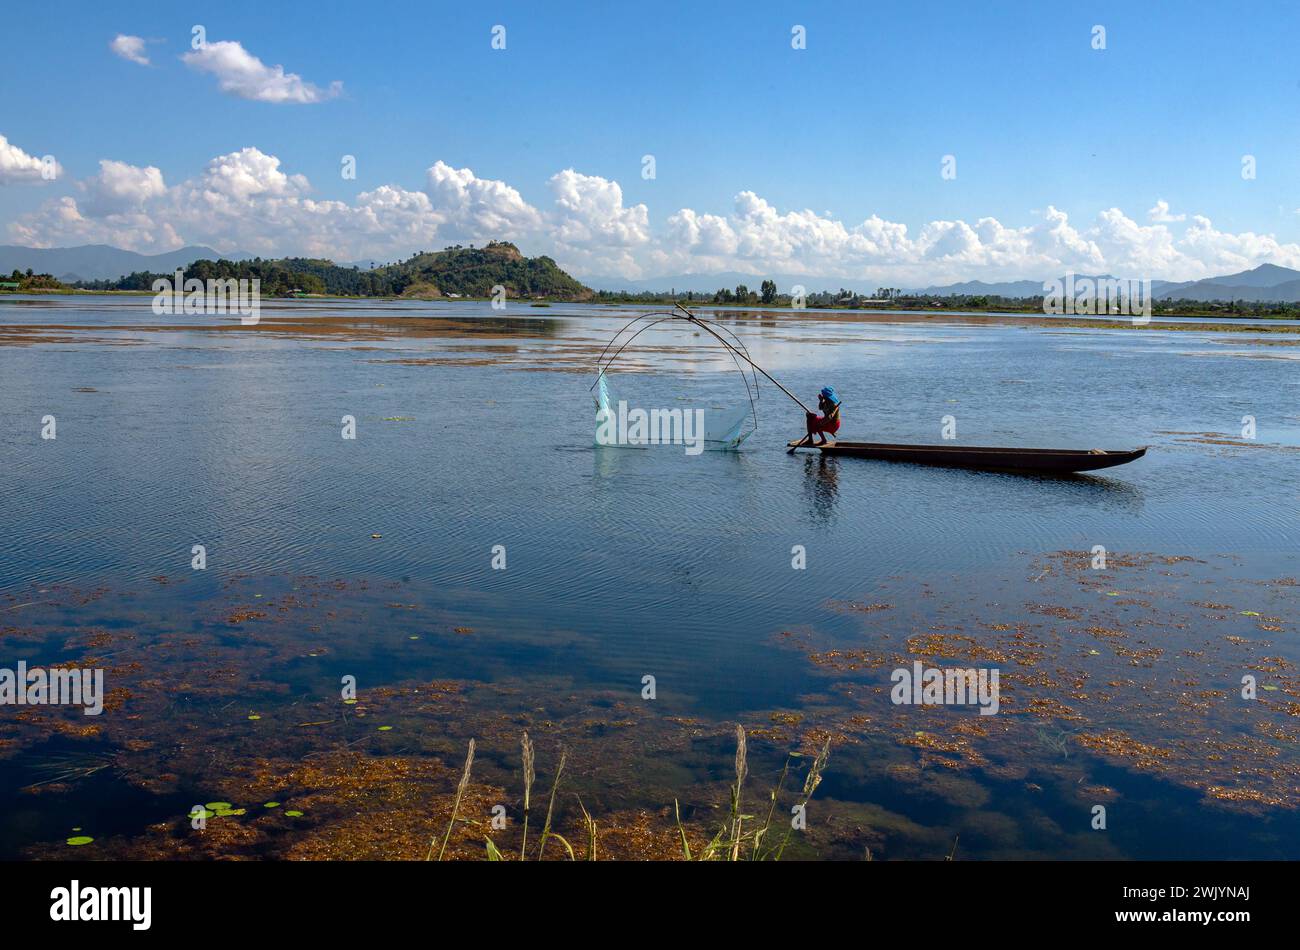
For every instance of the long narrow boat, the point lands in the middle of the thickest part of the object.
(1047, 461)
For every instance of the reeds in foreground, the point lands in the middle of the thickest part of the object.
(530, 776)
(734, 841)
(526, 744)
(550, 810)
(455, 807)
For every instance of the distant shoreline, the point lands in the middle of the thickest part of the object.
(899, 314)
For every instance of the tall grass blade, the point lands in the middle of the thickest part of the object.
(591, 831)
(686, 848)
(742, 768)
(455, 806)
(529, 777)
(810, 783)
(550, 808)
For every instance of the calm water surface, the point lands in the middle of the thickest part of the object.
(474, 429)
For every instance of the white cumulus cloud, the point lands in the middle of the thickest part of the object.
(130, 48)
(1159, 214)
(120, 186)
(473, 207)
(246, 200)
(242, 74)
(17, 167)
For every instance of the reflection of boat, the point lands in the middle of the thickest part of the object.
(1058, 461)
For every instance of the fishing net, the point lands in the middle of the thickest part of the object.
(718, 419)
(723, 428)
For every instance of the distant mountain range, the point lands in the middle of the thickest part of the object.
(100, 261)
(1267, 283)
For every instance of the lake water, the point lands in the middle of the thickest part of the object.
(373, 558)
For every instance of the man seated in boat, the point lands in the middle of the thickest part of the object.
(828, 423)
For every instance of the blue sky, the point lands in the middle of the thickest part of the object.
(853, 126)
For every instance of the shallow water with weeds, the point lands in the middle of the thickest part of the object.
(372, 558)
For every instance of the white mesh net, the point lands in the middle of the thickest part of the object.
(617, 422)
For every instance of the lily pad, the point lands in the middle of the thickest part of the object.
(218, 806)
(254, 717)
(79, 840)
(293, 813)
(385, 728)
(271, 805)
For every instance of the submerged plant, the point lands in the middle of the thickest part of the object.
(60, 767)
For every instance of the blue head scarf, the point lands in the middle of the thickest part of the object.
(829, 393)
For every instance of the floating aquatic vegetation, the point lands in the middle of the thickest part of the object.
(1056, 675)
(78, 840)
(243, 616)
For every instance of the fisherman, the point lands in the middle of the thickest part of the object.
(828, 423)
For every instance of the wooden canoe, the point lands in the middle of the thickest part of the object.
(1046, 461)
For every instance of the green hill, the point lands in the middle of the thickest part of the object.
(459, 271)
(473, 272)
